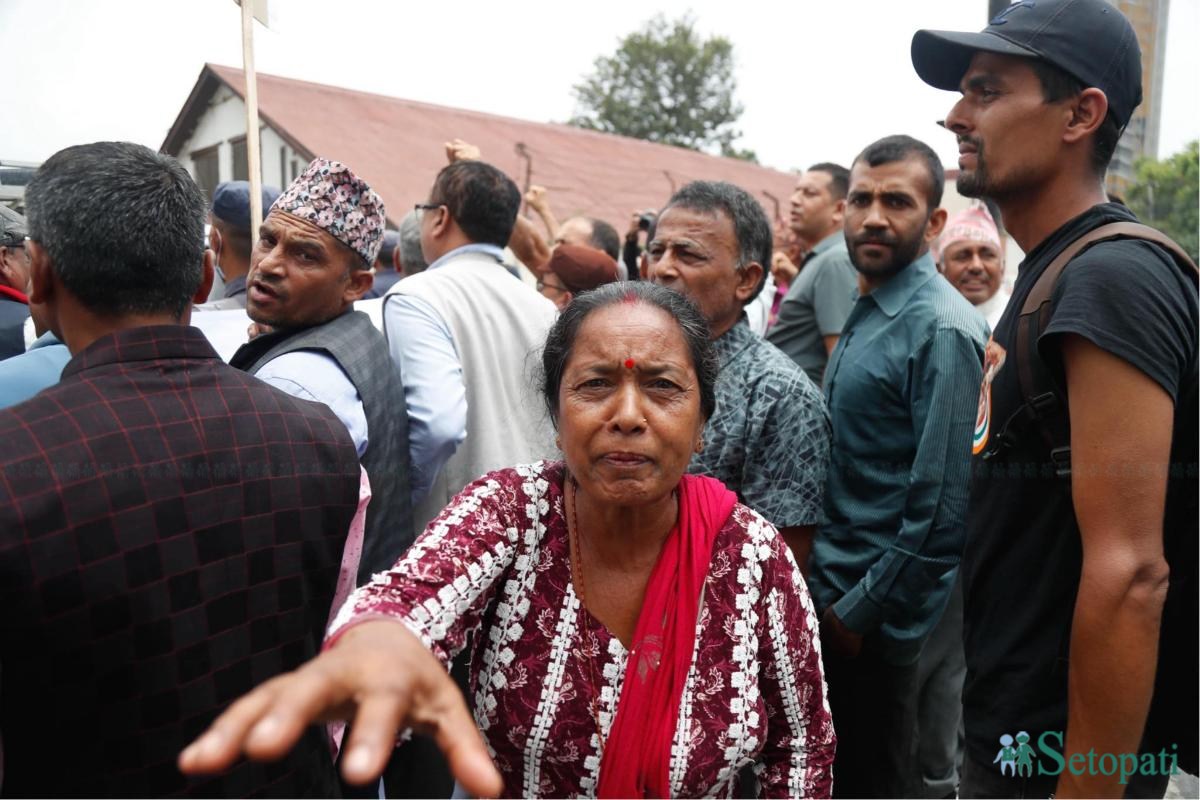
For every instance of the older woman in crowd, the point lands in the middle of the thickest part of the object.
(637, 631)
(573, 269)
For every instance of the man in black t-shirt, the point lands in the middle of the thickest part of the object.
(1065, 578)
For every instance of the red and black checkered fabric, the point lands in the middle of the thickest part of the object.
(170, 534)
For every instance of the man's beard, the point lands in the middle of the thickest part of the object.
(974, 183)
(903, 254)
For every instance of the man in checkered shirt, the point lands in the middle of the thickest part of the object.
(171, 528)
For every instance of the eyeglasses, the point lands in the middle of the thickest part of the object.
(419, 207)
(541, 284)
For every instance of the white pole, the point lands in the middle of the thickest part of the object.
(252, 142)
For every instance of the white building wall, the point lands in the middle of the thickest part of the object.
(224, 121)
(278, 159)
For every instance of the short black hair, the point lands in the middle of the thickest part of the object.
(1058, 84)
(839, 178)
(233, 238)
(482, 200)
(123, 227)
(891, 149)
(560, 342)
(606, 238)
(750, 224)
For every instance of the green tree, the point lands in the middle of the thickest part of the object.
(1165, 195)
(665, 84)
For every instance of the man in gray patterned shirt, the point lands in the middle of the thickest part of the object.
(768, 439)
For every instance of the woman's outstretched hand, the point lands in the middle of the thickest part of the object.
(379, 678)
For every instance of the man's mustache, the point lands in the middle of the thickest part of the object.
(875, 239)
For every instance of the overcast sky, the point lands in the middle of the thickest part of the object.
(818, 79)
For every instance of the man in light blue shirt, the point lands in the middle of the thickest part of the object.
(465, 334)
(422, 347)
(902, 386)
(23, 376)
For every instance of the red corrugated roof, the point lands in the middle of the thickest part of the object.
(396, 146)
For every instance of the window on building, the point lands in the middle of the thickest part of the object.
(241, 162)
(207, 172)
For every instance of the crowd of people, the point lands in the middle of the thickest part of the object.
(488, 506)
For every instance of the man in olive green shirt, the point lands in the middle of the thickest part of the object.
(820, 298)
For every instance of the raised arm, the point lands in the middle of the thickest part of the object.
(536, 198)
(529, 246)
(526, 243)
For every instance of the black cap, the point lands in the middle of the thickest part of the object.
(1088, 39)
(231, 203)
(12, 227)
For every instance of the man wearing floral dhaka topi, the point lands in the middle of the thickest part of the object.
(637, 631)
(311, 262)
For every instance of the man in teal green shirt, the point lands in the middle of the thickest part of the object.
(901, 387)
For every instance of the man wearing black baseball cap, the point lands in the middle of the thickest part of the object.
(1073, 519)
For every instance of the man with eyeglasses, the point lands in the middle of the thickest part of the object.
(461, 333)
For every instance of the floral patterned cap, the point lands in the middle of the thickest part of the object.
(338, 202)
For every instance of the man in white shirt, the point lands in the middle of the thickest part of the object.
(465, 334)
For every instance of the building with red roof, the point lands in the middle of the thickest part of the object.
(397, 146)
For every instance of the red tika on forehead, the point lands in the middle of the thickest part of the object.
(629, 363)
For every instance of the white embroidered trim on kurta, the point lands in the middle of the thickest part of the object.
(552, 684)
(514, 604)
(789, 691)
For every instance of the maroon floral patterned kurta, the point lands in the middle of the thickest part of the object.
(496, 561)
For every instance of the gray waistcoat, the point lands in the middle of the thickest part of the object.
(361, 351)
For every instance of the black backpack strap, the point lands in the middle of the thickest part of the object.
(1044, 406)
